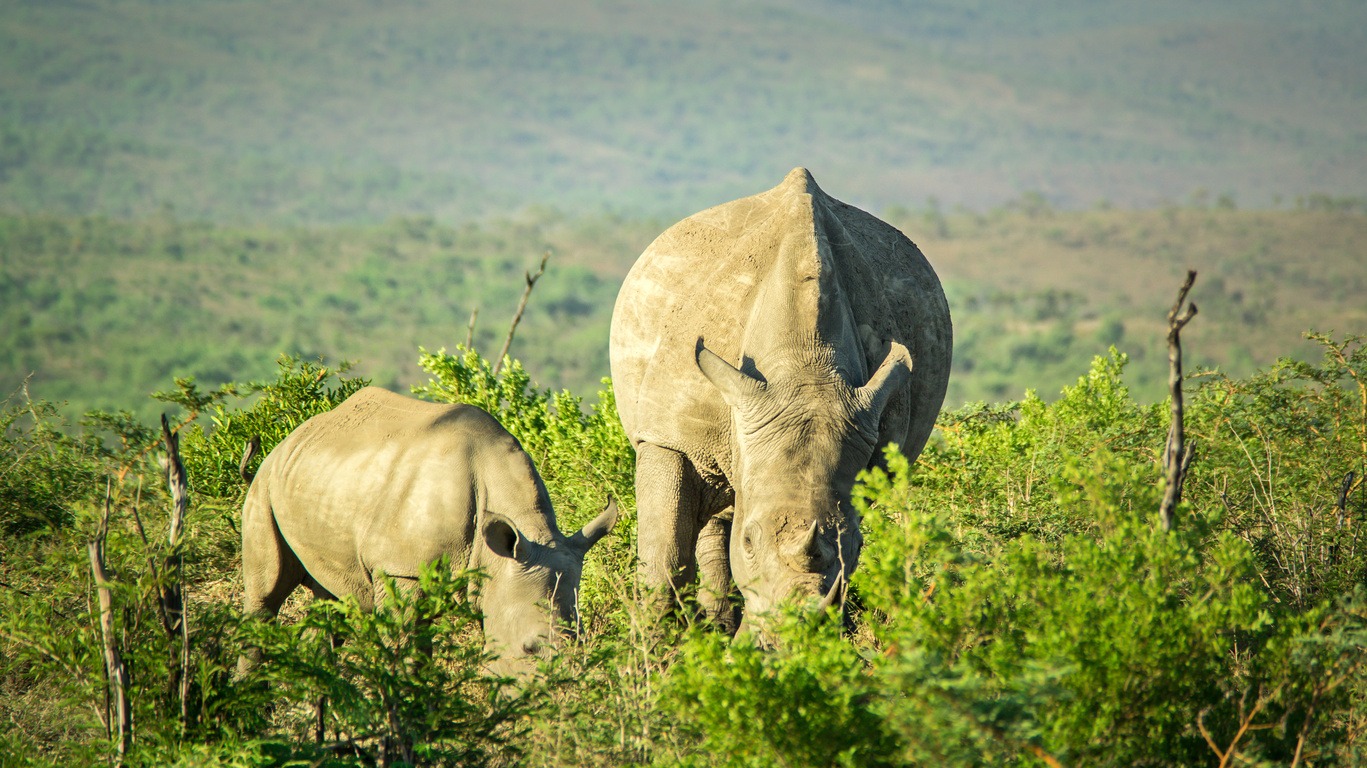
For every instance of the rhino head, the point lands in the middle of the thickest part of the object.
(531, 598)
(801, 436)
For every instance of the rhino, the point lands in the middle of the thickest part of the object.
(384, 484)
(763, 353)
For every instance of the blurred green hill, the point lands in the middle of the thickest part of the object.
(356, 111)
(192, 188)
(103, 312)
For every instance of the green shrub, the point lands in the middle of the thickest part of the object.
(213, 455)
(1085, 636)
(402, 684)
(44, 470)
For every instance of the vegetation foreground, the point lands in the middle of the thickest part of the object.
(1017, 602)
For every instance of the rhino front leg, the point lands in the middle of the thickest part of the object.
(667, 502)
(716, 593)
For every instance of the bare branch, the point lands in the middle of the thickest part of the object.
(172, 592)
(249, 452)
(521, 307)
(470, 330)
(1176, 456)
(113, 659)
(1342, 504)
(175, 478)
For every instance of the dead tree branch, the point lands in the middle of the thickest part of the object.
(249, 452)
(117, 691)
(521, 307)
(1341, 505)
(172, 592)
(175, 479)
(470, 329)
(1178, 454)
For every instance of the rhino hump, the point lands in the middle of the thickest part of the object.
(761, 279)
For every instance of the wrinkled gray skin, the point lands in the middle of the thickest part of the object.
(386, 484)
(763, 353)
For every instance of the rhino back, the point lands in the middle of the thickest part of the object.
(385, 482)
(703, 276)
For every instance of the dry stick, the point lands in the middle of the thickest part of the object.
(1177, 455)
(249, 452)
(521, 307)
(470, 329)
(118, 674)
(1342, 504)
(172, 594)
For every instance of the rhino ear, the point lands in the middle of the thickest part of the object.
(504, 538)
(596, 529)
(891, 376)
(735, 387)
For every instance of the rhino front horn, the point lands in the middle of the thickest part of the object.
(596, 529)
(833, 597)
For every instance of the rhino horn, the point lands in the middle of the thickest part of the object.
(890, 377)
(834, 597)
(735, 386)
(504, 538)
(596, 529)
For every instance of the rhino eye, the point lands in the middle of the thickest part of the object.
(748, 542)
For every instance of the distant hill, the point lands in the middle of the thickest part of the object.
(355, 111)
(103, 312)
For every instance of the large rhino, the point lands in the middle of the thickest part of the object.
(386, 484)
(763, 353)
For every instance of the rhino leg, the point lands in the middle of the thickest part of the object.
(716, 592)
(270, 569)
(667, 502)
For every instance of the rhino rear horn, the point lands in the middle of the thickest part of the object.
(596, 529)
(807, 549)
(735, 386)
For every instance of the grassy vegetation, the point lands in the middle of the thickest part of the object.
(103, 312)
(1016, 605)
(245, 110)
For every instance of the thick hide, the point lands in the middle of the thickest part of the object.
(385, 484)
(763, 353)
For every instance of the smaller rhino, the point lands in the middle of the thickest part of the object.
(384, 484)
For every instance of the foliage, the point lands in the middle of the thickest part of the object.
(810, 702)
(1286, 458)
(1085, 635)
(402, 684)
(1016, 603)
(301, 389)
(44, 470)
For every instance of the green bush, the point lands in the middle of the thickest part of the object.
(44, 470)
(213, 454)
(1016, 602)
(403, 684)
(1085, 635)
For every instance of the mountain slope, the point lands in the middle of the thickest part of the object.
(350, 110)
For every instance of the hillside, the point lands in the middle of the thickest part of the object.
(103, 312)
(351, 111)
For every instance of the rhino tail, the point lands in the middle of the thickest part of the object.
(253, 447)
